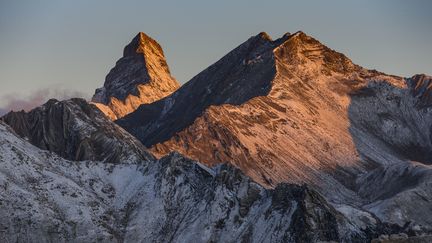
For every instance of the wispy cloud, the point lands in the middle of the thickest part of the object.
(16, 102)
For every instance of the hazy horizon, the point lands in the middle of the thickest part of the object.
(64, 49)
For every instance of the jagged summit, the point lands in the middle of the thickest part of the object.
(303, 51)
(248, 71)
(140, 44)
(264, 35)
(141, 76)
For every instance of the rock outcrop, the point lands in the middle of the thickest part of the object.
(421, 85)
(77, 130)
(141, 76)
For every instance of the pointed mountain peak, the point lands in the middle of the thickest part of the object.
(300, 48)
(286, 35)
(299, 34)
(141, 76)
(140, 44)
(299, 38)
(256, 41)
(265, 36)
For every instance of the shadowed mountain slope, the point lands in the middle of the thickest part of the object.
(46, 198)
(141, 76)
(294, 110)
(77, 130)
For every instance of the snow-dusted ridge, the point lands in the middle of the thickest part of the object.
(280, 111)
(45, 198)
(77, 130)
(294, 110)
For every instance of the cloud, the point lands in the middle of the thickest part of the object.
(16, 102)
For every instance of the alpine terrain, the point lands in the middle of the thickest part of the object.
(293, 110)
(280, 140)
(141, 76)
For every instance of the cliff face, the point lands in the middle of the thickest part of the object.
(293, 110)
(141, 76)
(77, 130)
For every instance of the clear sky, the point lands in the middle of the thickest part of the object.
(65, 48)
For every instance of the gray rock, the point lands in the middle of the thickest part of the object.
(77, 130)
(45, 198)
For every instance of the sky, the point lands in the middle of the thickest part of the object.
(64, 49)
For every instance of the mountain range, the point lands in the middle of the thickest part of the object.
(281, 140)
(293, 110)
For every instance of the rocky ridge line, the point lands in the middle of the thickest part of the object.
(141, 76)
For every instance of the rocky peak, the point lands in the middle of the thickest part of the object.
(141, 44)
(420, 83)
(240, 75)
(76, 130)
(300, 49)
(141, 76)
(144, 46)
(248, 71)
(421, 87)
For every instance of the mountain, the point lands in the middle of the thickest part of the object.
(76, 130)
(141, 76)
(295, 143)
(293, 110)
(421, 86)
(45, 198)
